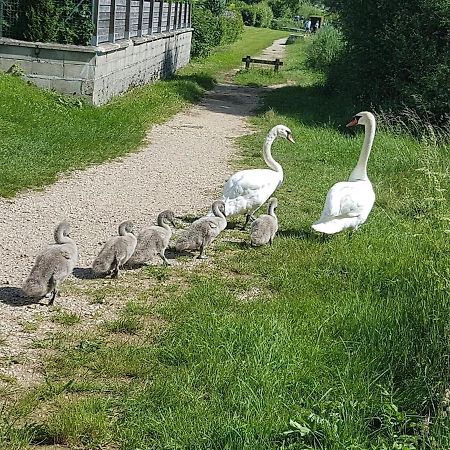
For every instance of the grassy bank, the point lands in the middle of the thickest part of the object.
(43, 134)
(337, 343)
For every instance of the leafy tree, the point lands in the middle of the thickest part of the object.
(397, 53)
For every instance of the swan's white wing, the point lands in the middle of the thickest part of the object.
(247, 190)
(250, 180)
(348, 199)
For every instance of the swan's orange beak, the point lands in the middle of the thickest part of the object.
(290, 138)
(352, 123)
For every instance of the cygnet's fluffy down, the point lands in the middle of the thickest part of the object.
(203, 231)
(116, 252)
(52, 266)
(265, 227)
(153, 240)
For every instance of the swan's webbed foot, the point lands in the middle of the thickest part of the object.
(248, 218)
(202, 253)
(52, 298)
(115, 272)
(165, 260)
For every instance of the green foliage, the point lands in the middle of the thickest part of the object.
(38, 21)
(257, 14)
(325, 47)
(64, 317)
(217, 7)
(231, 27)
(280, 9)
(306, 9)
(263, 15)
(63, 21)
(211, 29)
(397, 54)
(206, 33)
(248, 15)
(126, 324)
(76, 22)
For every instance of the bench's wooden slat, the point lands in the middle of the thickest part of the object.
(262, 61)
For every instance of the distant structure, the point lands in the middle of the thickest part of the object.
(133, 43)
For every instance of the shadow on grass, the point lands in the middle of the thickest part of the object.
(312, 105)
(306, 235)
(202, 79)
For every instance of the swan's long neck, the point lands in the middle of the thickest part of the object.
(61, 234)
(272, 207)
(360, 170)
(124, 229)
(217, 212)
(267, 154)
(163, 224)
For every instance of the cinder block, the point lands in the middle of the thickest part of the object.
(50, 69)
(43, 83)
(67, 86)
(87, 87)
(80, 71)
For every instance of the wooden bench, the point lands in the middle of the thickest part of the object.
(248, 59)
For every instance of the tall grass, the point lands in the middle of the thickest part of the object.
(325, 47)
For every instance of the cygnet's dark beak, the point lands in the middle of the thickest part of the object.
(290, 138)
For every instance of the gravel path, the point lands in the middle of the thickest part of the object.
(182, 166)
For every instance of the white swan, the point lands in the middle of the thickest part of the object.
(349, 203)
(247, 190)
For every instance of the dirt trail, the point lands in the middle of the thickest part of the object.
(182, 166)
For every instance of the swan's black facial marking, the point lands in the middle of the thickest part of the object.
(357, 118)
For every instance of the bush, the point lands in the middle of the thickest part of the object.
(256, 15)
(64, 21)
(231, 27)
(207, 31)
(325, 48)
(248, 15)
(263, 15)
(217, 7)
(280, 9)
(398, 54)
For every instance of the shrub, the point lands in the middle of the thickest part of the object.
(398, 54)
(217, 7)
(63, 21)
(248, 15)
(263, 15)
(206, 33)
(38, 21)
(231, 27)
(280, 9)
(325, 47)
(76, 25)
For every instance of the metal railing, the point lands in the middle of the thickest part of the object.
(124, 19)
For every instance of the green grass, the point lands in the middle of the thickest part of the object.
(333, 344)
(129, 325)
(43, 134)
(63, 317)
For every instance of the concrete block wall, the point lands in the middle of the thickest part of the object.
(102, 72)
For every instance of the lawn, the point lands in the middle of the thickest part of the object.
(336, 344)
(43, 134)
